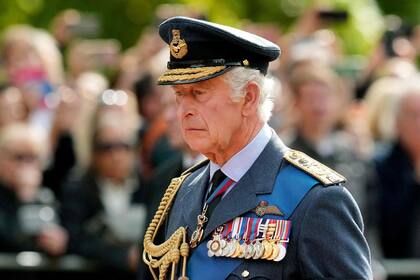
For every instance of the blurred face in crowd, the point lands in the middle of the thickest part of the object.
(173, 126)
(408, 123)
(211, 122)
(113, 152)
(20, 166)
(150, 105)
(26, 71)
(11, 106)
(317, 104)
(20, 57)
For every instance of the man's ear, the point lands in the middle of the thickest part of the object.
(251, 99)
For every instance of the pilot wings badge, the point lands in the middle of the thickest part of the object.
(264, 208)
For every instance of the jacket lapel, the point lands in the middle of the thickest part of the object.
(193, 199)
(259, 179)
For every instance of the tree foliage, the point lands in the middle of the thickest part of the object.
(125, 19)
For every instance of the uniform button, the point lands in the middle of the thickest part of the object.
(245, 273)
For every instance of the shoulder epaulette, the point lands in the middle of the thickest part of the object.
(195, 167)
(314, 168)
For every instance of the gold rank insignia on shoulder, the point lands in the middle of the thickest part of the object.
(314, 168)
(178, 46)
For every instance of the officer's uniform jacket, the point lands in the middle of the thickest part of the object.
(326, 239)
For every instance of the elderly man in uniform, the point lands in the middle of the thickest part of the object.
(256, 209)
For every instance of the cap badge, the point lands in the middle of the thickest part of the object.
(178, 46)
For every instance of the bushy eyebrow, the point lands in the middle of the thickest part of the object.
(182, 90)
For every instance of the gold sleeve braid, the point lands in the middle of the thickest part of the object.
(168, 253)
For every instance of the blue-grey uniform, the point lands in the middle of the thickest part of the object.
(326, 230)
(280, 214)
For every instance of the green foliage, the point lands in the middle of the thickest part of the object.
(120, 19)
(359, 34)
(125, 19)
(409, 10)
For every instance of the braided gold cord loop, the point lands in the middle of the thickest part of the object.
(168, 253)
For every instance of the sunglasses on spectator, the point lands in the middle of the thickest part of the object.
(110, 146)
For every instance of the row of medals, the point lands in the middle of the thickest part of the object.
(273, 250)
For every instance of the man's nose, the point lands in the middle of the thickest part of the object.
(185, 105)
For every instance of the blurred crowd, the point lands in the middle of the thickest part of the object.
(89, 142)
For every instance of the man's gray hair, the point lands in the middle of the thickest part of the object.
(239, 77)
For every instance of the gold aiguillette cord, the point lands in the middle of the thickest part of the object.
(167, 254)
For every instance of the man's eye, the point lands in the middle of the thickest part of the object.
(201, 95)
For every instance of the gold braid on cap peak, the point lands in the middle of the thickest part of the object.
(183, 74)
(169, 252)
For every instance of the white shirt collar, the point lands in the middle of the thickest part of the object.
(242, 161)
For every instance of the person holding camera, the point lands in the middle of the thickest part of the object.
(28, 216)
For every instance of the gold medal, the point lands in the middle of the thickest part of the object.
(215, 246)
(275, 252)
(237, 249)
(243, 250)
(268, 249)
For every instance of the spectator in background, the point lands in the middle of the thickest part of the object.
(398, 179)
(63, 154)
(93, 55)
(155, 148)
(380, 103)
(11, 105)
(72, 24)
(105, 208)
(320, 102)
(398, 44)
(28, 217)
(138, 60)
(96, 98)
(33, 64)
(88, 86)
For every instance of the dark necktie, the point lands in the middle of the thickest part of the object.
(217, 179)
